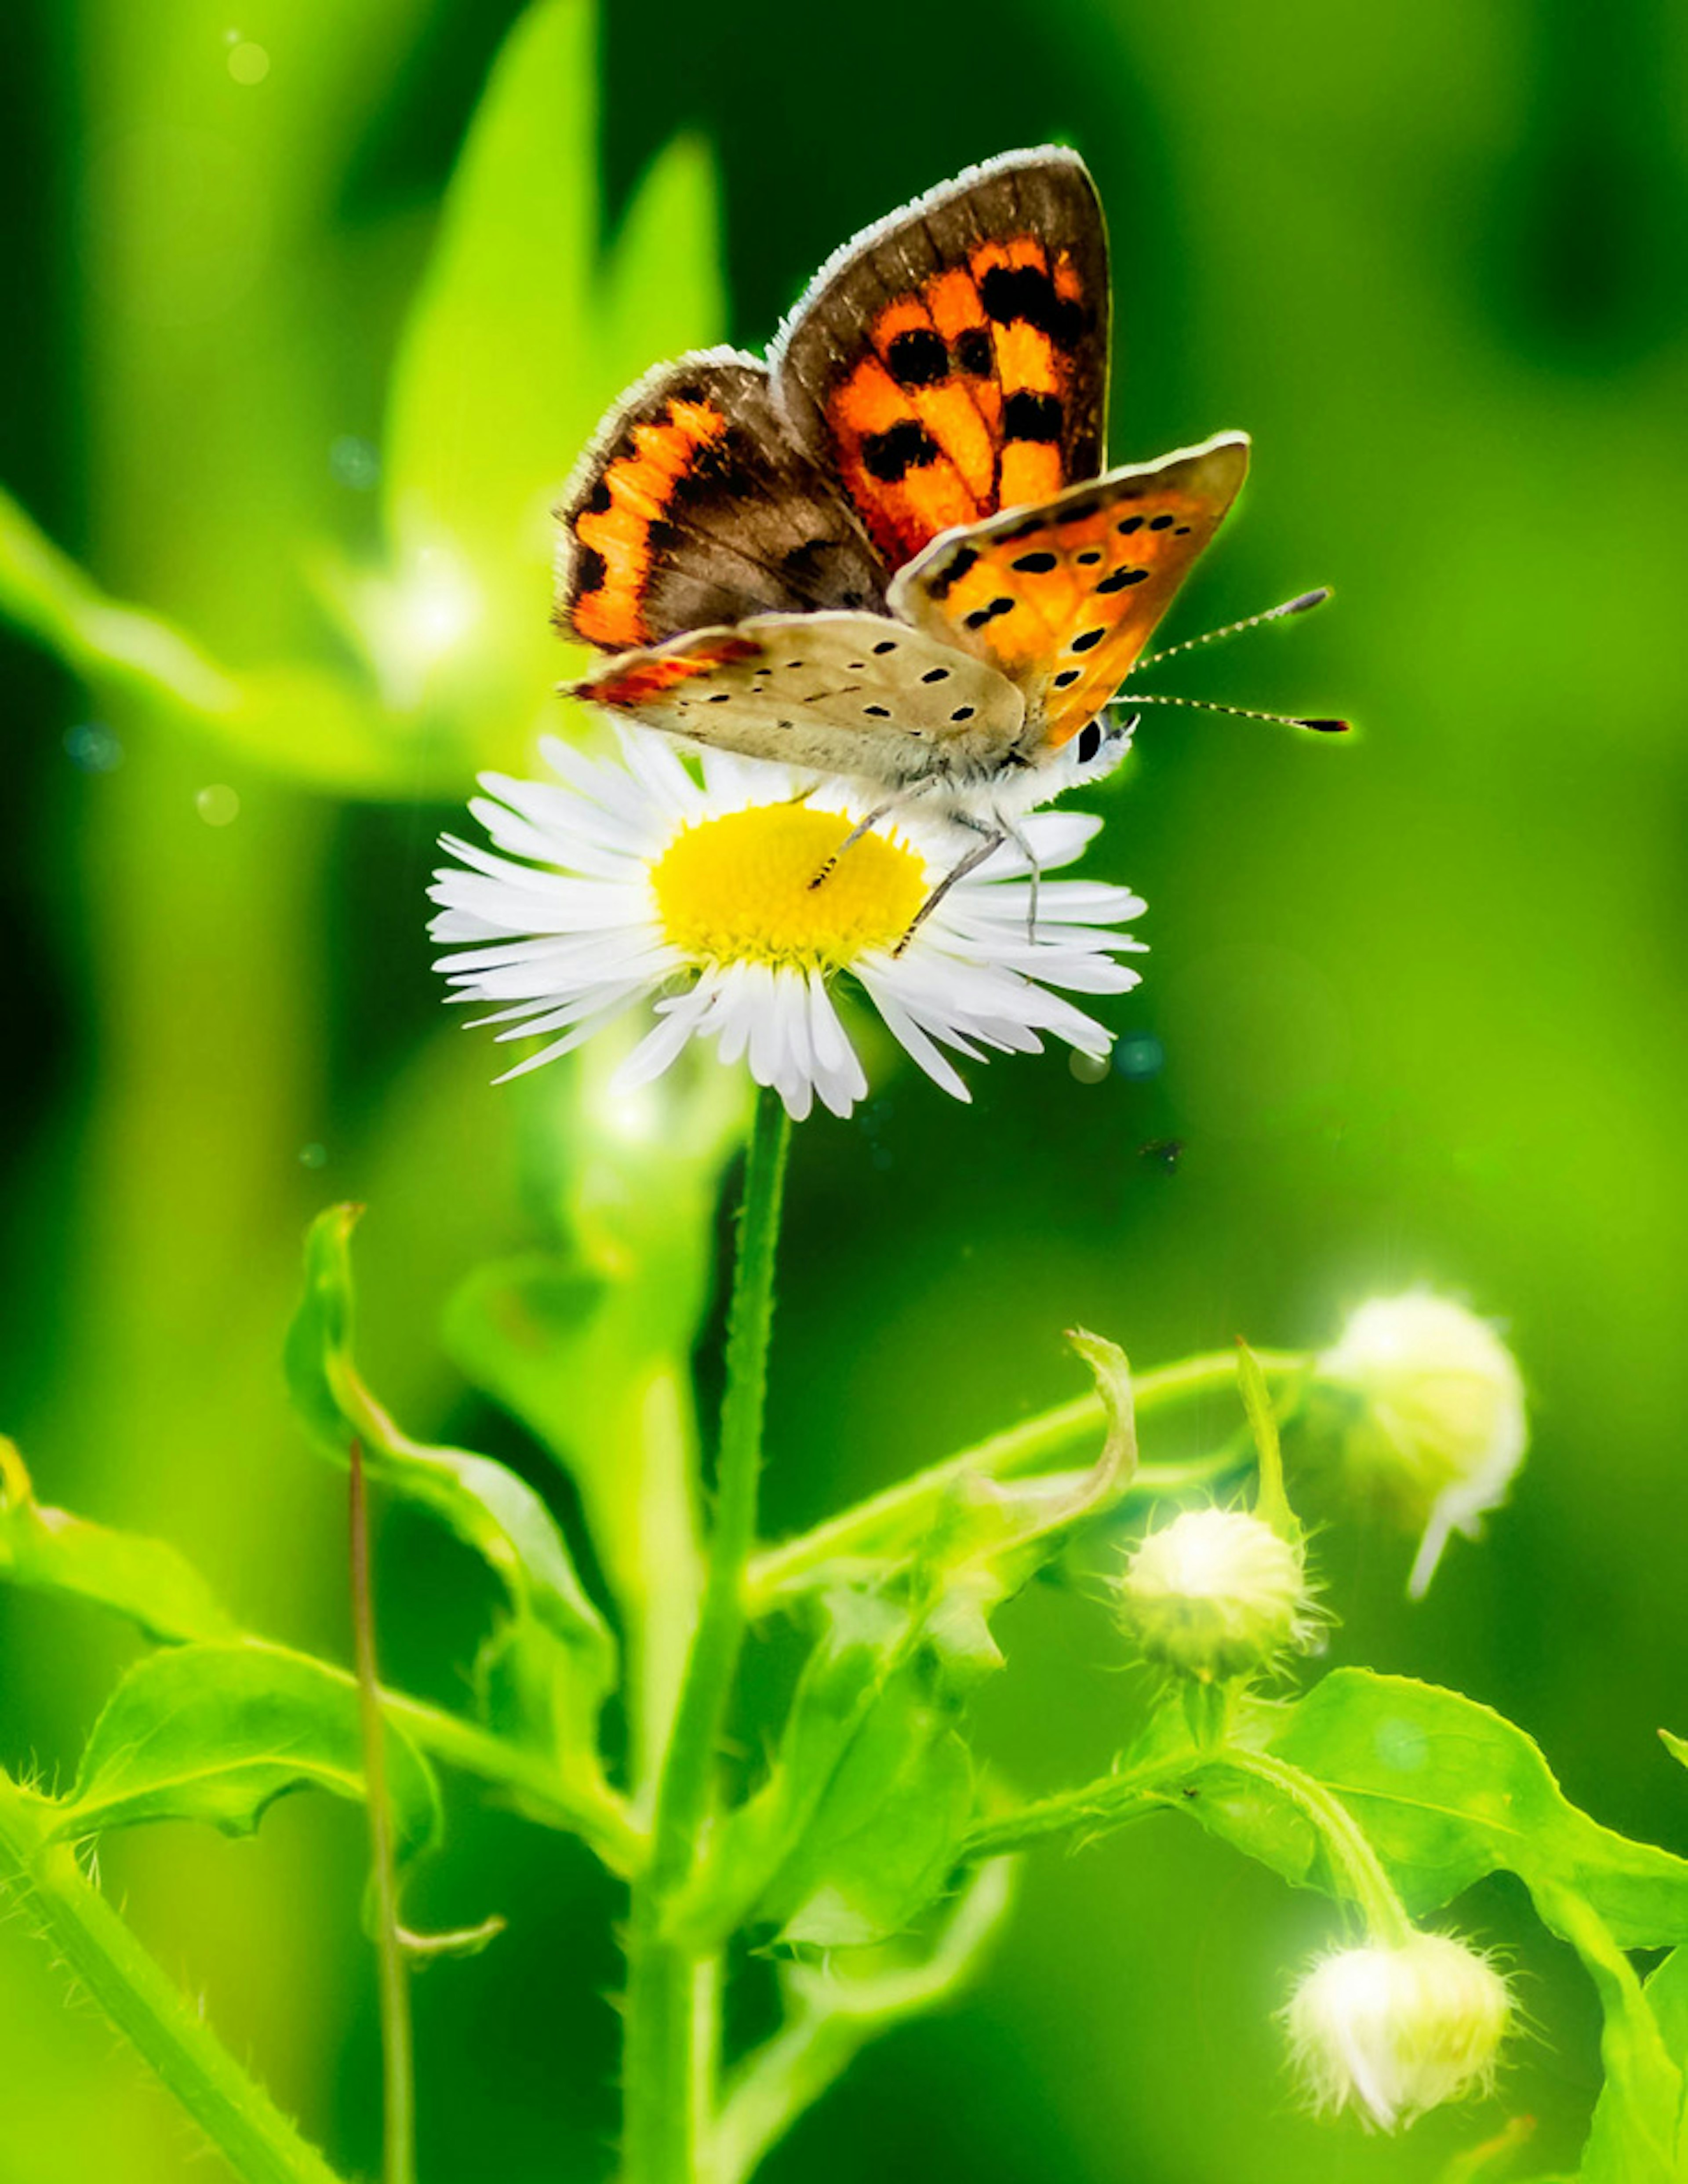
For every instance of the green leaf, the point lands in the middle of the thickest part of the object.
(864, 1640)
(1271, 1501)
(294, 720)
(991, 1536)
(1633, 2137)
(832, 2010)
(1445, 1790)
(518, 341)
(53, 1551)
(555, 1653)
(218, 1733)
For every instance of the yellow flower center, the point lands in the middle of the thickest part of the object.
(738, 889)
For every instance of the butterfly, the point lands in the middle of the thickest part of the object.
(891, 552)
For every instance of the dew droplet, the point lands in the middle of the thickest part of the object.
(218, 805)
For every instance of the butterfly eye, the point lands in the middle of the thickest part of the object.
(1090, 741)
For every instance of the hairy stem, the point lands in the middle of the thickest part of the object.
(1355, 1863)
(1100, 1806)
(44, 1881)
(672, 1995)
(1011, 1455)
(399, 2070)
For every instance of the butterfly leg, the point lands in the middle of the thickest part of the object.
(993, 837)
(1018, 837)
(861, 827)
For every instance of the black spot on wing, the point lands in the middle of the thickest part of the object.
(951, 575)
(918, 358)
(936, 675)
(1035, 565)
(1027, 417)
(1160, 523)
(590, 568)
(1086, 639)
(1090, 742)
(891, 455)
(1068, 676)
(980, 616)
(974, 352)
(1027, 292)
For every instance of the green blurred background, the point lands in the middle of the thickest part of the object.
(1414, 1008)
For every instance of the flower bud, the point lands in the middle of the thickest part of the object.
(1215, 1593)
(1390, 2032)
(1438, 1427)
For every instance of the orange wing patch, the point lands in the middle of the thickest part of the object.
(615, 529)
(1062, 599)
(650, 676)
(964, 403)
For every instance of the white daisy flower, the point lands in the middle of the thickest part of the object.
(632, 881)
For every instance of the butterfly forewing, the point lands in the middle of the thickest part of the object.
(952, 361)
(846, 693)
(694, 506)
(1061, 598)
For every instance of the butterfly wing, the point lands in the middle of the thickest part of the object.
(847, 693)
(952, 361)
(694, 506)
(1061, 598)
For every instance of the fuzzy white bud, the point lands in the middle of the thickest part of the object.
(1215, 1593)
(1440, 1428)
(1390, 2032)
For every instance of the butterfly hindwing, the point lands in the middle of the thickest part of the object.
(846, 693)
(1061, 598)
(953, 361)
(694, 506)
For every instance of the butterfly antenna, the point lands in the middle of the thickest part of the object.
(1303, 603)
(1322, 727)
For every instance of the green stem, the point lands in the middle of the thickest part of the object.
(87, 1936)
(530, 1783)
(1355, 1861)
(399, 2070)
(1108, 1803)
(669, 2039)
(1021, 1449)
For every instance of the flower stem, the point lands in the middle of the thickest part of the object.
(1107, 1803)
(1357, 1864)
(1021, 1449)
(671, 2005)
(98, 1948)
(399, 2070)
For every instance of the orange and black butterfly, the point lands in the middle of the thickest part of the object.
(891, 551)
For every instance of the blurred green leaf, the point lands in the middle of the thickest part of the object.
(517, 343)
(145, 1579)
(590, 1346)
(295, 720)
(1446, 1792)
(832, 2010)
(218, 1733)
(554, 1661)
(1633, 2137)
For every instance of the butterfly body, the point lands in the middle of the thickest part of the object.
(891, 552)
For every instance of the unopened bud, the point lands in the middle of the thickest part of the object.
(1439, 1429)
(1215, 1594)
(1392, 2032)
